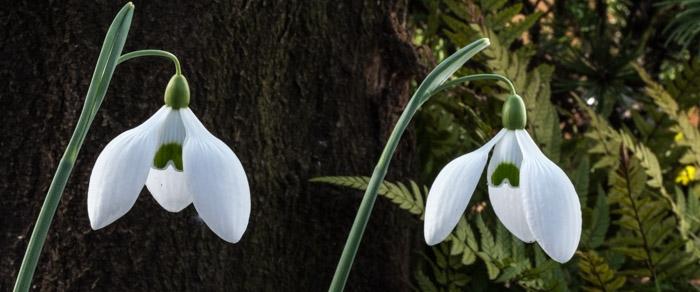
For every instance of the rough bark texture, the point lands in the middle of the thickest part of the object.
(298, 88)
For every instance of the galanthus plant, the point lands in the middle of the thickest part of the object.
(531, 196)
(171, 153)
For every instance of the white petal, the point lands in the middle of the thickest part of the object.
(552, 208)
(451, 191)
(216, 179)
(507, 203)
(121, 170)
(168, 188)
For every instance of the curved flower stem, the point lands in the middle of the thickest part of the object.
(457, 81)
(156, 53)
(106, 63)
(370, 196)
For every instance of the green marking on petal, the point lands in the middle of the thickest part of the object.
(168, 152)
(505, 171)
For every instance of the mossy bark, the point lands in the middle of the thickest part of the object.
(297, 88)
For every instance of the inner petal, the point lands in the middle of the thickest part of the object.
(170, 139)
(168, 187)
(507, 203)
(173, 130)
(504, 165)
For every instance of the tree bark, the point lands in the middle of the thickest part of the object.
(297, 88)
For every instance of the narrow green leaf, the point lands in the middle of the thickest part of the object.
(448, 67)
(106, 62)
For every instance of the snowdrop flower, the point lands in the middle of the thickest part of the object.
(532, 196)
(180, 162)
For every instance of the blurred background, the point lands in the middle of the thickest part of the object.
(311, 89)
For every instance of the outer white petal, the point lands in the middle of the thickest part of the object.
(451, 191)
(507, 201)
(168, 188)
(216, 179)
(552, 208)
(121, 170)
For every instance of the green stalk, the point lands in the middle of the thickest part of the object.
(106, 63)
(154, 53)
(432, 84)
(460, 80)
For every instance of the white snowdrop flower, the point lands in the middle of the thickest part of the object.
(180, 162)
(531, 196)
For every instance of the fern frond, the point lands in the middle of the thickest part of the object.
(594, 235)
(515, 30)
(424, 282)
(685, 87)
(410, 200)
(647, 158)
(667, 104)
(628, 192)
(606, 140)
(597, 273)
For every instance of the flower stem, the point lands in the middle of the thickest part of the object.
(475, 77)
(106, 63)
(422, 94)
(156, 53)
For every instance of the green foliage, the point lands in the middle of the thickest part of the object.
(444, 269)
(644, 220)
(599, 222)
(653, 227)
(598, 274)
(666, 103)
(684, 28)
(689, 208)
(685, 86)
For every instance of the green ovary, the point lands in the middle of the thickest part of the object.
(506, 171)
(168, 152)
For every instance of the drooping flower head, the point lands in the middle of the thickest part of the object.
(531, 196)
(180, 162)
